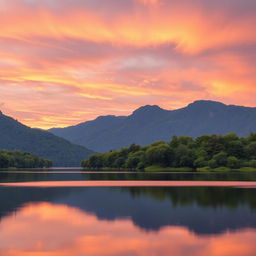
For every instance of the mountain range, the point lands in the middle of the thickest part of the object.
(69, 146)
(151, 123)
(14, 135)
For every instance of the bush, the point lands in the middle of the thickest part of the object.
(221, 158)
(212, 163)
(204, 169)
(221, 169)
(252, 163)
(233, 162)
(200, 162)
(141, 166)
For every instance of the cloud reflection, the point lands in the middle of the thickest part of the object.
(58, 230)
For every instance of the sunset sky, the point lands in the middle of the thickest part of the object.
(67, 61)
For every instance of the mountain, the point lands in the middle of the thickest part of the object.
(152, 123)
(14, 135)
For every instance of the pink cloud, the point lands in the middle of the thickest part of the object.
(111, 60)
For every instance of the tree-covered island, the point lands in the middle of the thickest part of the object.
(19, 159)
(205, 153)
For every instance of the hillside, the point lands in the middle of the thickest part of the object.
(152, 123)
(14, 135)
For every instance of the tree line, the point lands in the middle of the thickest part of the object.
(19, 159)
(202, 153)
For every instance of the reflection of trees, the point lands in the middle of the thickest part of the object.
(21, 177)
(221, 176)
(12, 198)
(202, 210)
(202, 196)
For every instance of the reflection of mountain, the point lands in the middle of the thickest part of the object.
(57, 229)
(11, 199)
(202, 210)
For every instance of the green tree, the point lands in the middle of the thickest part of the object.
(119, 162)
(132, 162)
(233, 162)
(250, 150)
(184, 156)
(213, 151)
(212, 144)
(212, 163)
(21, 159)
(200, 162)
(252, 163)
(159, 155)
(221, 159)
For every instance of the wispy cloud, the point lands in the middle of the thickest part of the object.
(62, 62)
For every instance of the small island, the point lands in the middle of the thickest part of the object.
(204, 153)
(19, 159)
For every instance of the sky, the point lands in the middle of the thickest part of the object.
(63, 62)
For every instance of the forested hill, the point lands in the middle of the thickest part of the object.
(205, 153)
(19, 159)
(152, 123)
(14, 135)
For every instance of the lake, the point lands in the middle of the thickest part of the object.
(68, 212)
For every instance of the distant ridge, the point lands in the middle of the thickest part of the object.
(151, 123)
(14, 135)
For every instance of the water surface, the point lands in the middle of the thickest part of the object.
(80, 220)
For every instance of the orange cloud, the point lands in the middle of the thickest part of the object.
(67, 62)
(190, 26)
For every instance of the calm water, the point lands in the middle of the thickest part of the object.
(61, 219)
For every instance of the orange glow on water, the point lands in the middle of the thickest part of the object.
(58, 230)
(132, 183)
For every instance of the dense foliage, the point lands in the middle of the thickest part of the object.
(20, 159)
(204, 152)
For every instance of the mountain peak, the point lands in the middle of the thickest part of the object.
(151, 123)
(206, 102)
(147, 109)
(105, 117)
